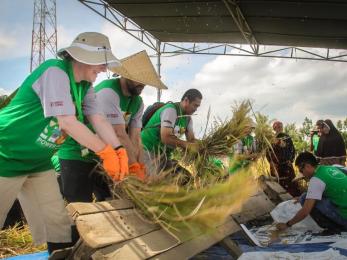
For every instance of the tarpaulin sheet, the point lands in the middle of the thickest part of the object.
(36, 256)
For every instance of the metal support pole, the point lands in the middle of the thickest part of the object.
(158, 68)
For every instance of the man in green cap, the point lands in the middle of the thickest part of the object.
(50, 106)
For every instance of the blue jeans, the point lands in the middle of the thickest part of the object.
(328, 209)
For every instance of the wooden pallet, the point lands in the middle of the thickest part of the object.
(115, 230)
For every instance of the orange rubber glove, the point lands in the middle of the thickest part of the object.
(144, 169)
(110, 161)
(123, 162)
(136, 169)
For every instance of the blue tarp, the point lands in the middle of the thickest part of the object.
(293, 248)
(217, 252)
(36, 256)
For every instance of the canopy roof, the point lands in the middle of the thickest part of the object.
(306, 23)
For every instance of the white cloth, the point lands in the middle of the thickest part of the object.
(330, 254)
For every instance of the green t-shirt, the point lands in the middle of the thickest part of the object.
(150, 135)
(71, 150)
(315, 142)
(335, 186)
(28, 138)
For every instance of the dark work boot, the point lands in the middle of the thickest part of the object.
(56, 246)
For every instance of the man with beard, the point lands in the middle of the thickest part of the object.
(163, 131)
(119, 100)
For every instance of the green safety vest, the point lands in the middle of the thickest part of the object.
(336, 186)
(28, 139)
(128, 105)
(150, 135)
(248, 141)
(71, 150)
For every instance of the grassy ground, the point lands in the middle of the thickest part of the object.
(17, 241)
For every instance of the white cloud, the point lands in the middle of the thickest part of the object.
(122, 43)
(287, 90)
(3, 92)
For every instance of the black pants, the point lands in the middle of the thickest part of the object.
(79, 180)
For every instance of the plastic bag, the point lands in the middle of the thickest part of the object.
(287, 210)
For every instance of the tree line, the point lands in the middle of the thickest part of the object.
(301, 135)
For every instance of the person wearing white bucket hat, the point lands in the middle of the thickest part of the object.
(119, 99)
(50, 106)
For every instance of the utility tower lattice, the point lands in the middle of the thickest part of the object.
(44, 34)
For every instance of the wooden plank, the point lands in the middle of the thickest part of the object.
(232, 248)
(139, 248)
(81, 208)
(275, 187)
(80, 251)
(192, 247)
(254, 207)
(105, 228)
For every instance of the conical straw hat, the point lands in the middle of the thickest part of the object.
(138, 67)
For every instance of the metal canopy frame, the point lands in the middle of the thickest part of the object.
(252, 49)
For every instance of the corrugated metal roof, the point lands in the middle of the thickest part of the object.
(304, 23)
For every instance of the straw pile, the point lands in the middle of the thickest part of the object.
(189, 211)
(210, 195)
(6, 101)
(17, 241)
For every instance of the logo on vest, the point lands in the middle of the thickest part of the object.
(336, 174)
(51, 137)
(127, 117)
(179, 131)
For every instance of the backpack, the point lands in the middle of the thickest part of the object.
(149, 112)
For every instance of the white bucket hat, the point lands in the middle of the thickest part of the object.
(138, 67)
(91, 48)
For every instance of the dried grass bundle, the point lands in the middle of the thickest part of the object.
(220, 139)
(17, 241)
(263, 133)
(210, 195)
(188, 211)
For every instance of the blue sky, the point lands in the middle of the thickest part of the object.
(286, 90)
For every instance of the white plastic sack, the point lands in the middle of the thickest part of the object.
(340, 244)
(287, 210)
(329, 254)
